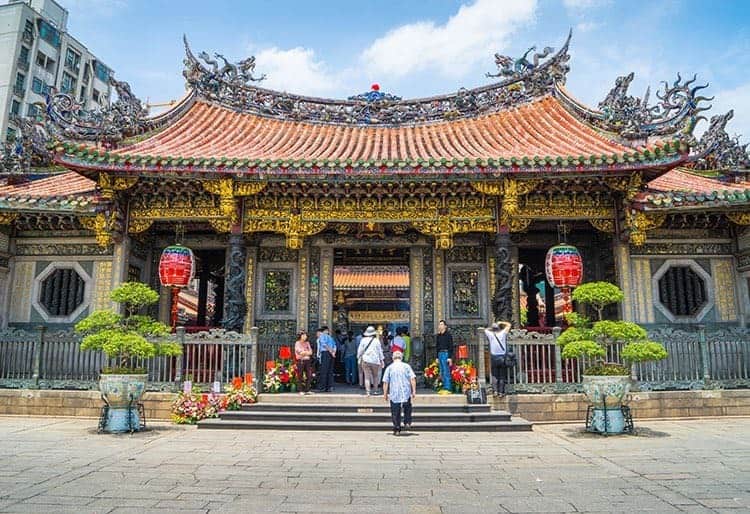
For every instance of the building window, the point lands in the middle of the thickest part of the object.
(23, 58)
(82, 95)
(20, 85)
(32, 111)
(134, 273)
(465, 294)
(682, 291)
(101, 71)
(95, 95)
(73, 60)
(62, 292)
(45, 62)
(68, 84)
(37, 86)
(49, 33)
(15, 108)
(277, 292)
(28, 32)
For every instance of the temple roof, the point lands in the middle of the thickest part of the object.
(59, 192)
(370, 277)
(682, 188)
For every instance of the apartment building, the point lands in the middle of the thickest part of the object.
(36, 54)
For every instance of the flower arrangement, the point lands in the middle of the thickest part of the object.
(280, 377)
(461, 375)
(238, 393)
(189, 408)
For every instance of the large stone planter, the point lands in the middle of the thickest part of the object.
(605, 394)
(122, 393)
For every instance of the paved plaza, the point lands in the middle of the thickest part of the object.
(62, 465)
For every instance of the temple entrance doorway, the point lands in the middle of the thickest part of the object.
(201, 305)
(540, 304)
(371, 287)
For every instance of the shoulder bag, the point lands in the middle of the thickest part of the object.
(509, 358)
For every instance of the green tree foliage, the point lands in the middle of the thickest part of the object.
(128, 337)
(598, 295)
(586, 340)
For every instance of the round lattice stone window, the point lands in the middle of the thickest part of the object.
(61, 292)
(682, 291)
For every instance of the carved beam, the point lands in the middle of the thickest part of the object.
(108, 184)
(511, 190)
(739, 218)
(640, 222)
(630, 185)
(7, 218)
(603, 225)
(101, 225)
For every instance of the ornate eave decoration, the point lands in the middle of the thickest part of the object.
(231, 86)
(676, 113)
(716, 150)
(125, 117)
(27, 151)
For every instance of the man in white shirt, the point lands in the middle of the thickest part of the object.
(399, 388)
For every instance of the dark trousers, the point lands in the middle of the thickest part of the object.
(304, 368)
(500, 372)
(325, 380)
(396, 413)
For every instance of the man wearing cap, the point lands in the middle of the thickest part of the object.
(399, 388)
(327, 352)
(497, 335)
(370, 358)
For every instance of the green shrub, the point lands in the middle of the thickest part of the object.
(583, 348)
(128, 337)
(598, 295)
(643, 351)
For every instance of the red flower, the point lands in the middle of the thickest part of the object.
(285, 353)
(237, 382)
(284, 377)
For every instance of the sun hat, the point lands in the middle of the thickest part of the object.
(370, 331)
(397, 355)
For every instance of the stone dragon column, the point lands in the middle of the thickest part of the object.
(235, 305)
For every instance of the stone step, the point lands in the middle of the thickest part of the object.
(356, 406)
(515, 425)
(419, 416)
(337, 399)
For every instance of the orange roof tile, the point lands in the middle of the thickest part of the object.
(63, 184)
(682, 180)
(541, 128)
(364, 278)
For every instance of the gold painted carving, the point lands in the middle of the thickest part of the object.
(221, 225)
(603, 225)
(739, 218)
(101, 226)
(379, 317)
(109, 184)
(511, 190)
(6, 218)
(640, 222)
(629, 185)
(136, 226)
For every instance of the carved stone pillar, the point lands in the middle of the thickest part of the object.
(502, 303)
(235, 306)
(325, 310)
(416, 286)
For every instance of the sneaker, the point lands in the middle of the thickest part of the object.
(396, 431)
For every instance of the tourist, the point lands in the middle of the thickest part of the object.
(399, 388)
(370, 358)
(497, 335)
(303, 353)
(444, 344)
(327, 351)
(361, 376)
(350, 359)
(398, 344)
(407, 344)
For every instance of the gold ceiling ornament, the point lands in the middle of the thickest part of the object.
(630, 185)
(220, 225)
(640, 222)
(603, 225)
(293, 226)
(511, 190)
(519, 224)
(136, 226)
(108, 184)
(7, 218)
(739, 218)
(101, 225)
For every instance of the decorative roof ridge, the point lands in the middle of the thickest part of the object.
(634, 120)
(230, 86)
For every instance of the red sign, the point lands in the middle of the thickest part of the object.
(564, 266)
(176, 266)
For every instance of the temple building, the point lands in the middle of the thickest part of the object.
(305, 211)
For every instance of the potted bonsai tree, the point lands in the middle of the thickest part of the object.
(126, 339)
(610, 348)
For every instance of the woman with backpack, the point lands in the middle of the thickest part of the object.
(370, 358)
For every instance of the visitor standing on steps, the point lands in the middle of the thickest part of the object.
(399, 388)
(350, 359)
(327, 350)
(497, 335)
(370, 358)
(444, 344)
(303, 352)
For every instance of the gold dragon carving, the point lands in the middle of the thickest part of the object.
(108, 184)
(101, 225)
(640, 222)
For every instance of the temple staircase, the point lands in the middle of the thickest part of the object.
(431, 413)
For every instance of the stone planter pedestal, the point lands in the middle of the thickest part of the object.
(122, 393)
(605, 394)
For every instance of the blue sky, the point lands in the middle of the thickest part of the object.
(416, 48)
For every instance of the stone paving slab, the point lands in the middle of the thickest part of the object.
(62, 465)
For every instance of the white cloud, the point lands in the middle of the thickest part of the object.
(581, 4)
(295, 70)
(472, 34)
(587, 26)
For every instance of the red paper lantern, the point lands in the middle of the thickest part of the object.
(176, 266)
(564, 266)
(285, 353)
